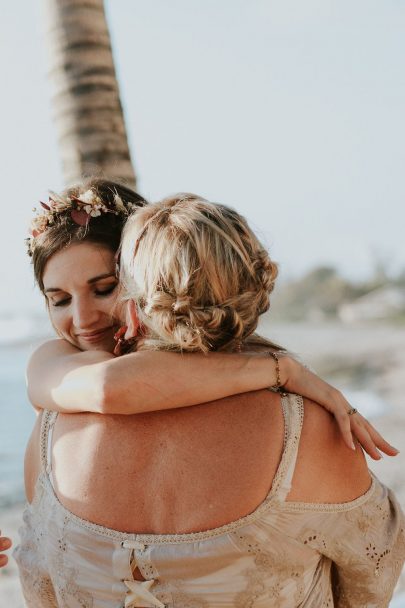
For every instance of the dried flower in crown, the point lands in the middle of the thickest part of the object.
(82, 209)
(38, 224)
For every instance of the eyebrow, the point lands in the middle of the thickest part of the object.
(100, 277)
(91, 281)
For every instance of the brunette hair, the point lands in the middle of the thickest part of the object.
(105, 229)
(198, 274)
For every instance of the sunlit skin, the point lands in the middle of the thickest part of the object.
(80, 287)
(81, 290)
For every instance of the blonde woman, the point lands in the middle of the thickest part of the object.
(253, 500)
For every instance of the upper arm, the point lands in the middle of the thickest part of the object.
(59, 375)
(45, 365)
(327, 471)
(32, 460)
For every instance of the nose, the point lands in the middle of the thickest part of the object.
(85, 315)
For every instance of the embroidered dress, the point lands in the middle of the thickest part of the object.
(283, 555)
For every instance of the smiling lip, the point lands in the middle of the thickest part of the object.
(95, 336)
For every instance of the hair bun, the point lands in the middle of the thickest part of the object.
(200, 279)
(182, 304)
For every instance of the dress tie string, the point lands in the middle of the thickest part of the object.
(138, 594)
(133, 544)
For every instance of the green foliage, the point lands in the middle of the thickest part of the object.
(322, 291)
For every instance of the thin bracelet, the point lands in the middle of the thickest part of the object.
(277, 387)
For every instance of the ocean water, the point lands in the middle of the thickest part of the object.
(16, 421)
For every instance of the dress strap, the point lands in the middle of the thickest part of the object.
(293, 412)
(47, 425)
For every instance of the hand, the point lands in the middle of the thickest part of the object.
(296, 378)
(5, 543)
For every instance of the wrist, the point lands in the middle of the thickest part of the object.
(285, 364)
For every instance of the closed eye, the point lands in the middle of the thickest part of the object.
(105, 292)
(63, 302)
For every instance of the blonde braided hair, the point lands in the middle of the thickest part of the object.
(198, 274)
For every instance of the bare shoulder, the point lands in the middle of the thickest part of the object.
(42, 364)
(56, 352)
(327, 471)
(51, 348)
(55, 345)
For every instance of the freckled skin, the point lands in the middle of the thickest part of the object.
(179, 470)
(192, 469)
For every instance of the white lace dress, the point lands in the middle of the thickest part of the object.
(283, 555)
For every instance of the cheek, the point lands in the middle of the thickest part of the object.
(112, 306)
(59, 320)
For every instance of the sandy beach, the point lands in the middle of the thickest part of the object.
(359, 356)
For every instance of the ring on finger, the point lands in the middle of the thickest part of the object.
(352, 411)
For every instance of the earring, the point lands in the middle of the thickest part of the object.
(124, 345)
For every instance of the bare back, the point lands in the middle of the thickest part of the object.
(195, 468)
(175, 471)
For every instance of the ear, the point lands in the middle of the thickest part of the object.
(132, 320)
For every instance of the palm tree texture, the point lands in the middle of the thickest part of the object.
(86, 102)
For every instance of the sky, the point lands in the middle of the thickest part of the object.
(292, 112)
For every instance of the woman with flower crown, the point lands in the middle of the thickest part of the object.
(116, 515)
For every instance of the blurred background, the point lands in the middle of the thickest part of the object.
(293, 113)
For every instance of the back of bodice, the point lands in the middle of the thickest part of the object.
(271, 557)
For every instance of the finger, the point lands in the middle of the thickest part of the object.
(380, 442)
(343, 420)
(366, 442)
(5, 543)
(375, 436)
(3, 560)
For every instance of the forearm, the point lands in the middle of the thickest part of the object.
(64, 379)
(148, 381)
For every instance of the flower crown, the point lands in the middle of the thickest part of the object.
(82, 209)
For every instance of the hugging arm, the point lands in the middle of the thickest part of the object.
(61, 377)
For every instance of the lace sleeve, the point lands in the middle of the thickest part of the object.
(366, 545)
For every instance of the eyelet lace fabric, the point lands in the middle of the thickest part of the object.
(283, 555)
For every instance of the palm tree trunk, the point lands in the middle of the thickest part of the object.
(86, 101)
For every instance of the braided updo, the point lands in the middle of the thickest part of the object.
(198, 275)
